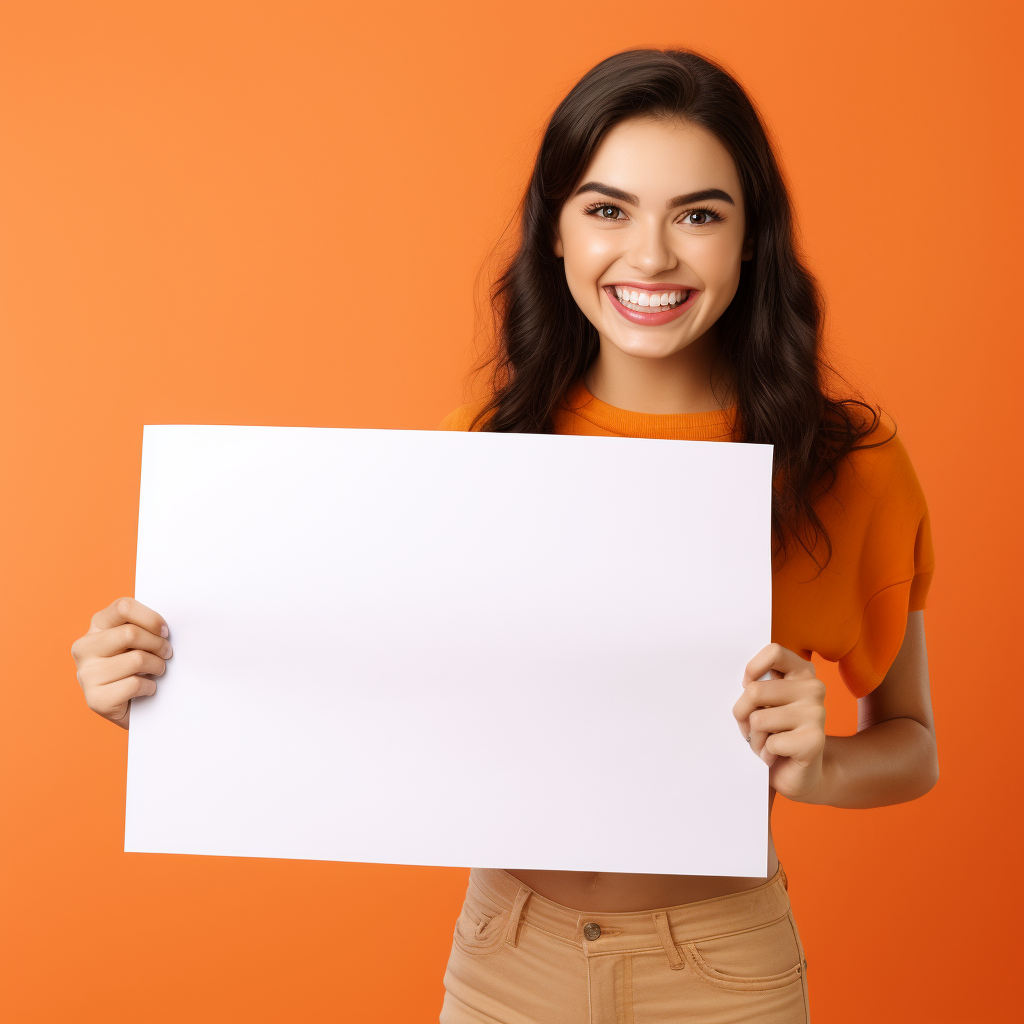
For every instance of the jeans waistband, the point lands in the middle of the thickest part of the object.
(635, 930)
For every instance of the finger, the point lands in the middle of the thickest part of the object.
(758, 741)
(126, 637)
(779, 719)
(101, 671)
(776, 657)
(772, 693)
(744, 726)
(801, 743)
(106, 642)
(758, 738)
(113, 701)
(802, 708)
(127, 609)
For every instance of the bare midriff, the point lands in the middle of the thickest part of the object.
(611, 892)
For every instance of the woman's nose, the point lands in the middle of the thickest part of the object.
(650, 254)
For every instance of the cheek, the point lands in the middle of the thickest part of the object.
(716, 261)
(587, 254)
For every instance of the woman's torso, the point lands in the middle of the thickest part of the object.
(611, 892)
(854, 611)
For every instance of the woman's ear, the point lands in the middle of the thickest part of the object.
(748, 248)
(559, 252)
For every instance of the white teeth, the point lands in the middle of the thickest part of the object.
(648, 301)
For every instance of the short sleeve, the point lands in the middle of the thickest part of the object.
(888, 523)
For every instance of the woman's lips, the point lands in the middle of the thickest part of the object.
(651, 319)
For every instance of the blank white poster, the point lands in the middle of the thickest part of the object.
(449, 648)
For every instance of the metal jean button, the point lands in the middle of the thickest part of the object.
(591, 931)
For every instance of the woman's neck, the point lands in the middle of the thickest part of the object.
(686, 381)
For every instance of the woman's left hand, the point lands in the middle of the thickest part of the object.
(784, 719)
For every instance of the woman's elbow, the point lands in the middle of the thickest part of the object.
(930, 768)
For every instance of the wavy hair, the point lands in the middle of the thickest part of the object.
(770, 334)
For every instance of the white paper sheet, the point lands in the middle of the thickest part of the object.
(448, 648)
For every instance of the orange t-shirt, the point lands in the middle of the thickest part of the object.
(855, 610)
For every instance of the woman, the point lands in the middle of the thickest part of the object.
(656, 292)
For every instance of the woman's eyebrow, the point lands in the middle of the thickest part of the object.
(699, 197)
(627, 197)
(608, 190)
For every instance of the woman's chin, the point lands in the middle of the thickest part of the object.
(649, 346)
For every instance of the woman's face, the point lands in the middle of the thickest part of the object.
(654, 236)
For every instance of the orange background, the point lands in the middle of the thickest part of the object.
(274, 213)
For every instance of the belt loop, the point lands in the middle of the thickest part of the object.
(512, 935)
(785, 880)
(675, 961)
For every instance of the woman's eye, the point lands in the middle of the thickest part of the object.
(603, 211)
(700, 218)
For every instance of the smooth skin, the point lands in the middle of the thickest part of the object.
(604, 239)
(126, 646)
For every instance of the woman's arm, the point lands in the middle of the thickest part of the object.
(891, 759)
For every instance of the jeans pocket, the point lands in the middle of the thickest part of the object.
(482, 924)
(753, 961)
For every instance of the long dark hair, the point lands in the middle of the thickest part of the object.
(771, 331)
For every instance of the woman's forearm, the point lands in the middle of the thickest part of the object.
(888, 763)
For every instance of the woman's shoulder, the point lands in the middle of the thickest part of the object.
(879, 464)
(875, 510)
(464, 417)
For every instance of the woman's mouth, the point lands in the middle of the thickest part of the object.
(648, 306)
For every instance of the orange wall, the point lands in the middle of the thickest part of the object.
(193, 196)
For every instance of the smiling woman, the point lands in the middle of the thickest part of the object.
(657, 292)
(690, 245)
(656, 175)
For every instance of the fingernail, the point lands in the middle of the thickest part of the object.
(164, 631)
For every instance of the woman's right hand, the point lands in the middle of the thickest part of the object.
(126, 644)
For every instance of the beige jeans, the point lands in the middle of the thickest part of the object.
(518, 958)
